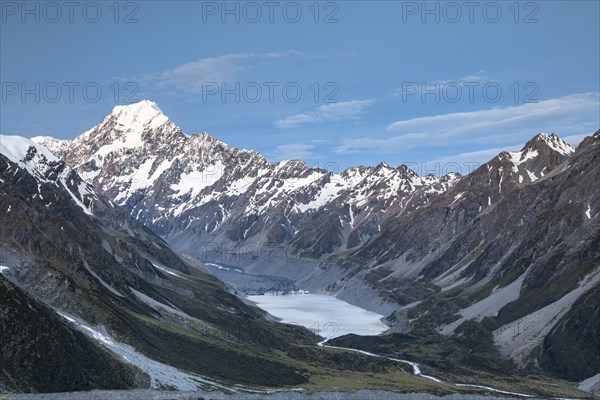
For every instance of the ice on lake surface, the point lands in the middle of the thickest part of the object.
(325, 315)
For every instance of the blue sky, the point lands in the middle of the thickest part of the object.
(343, 83)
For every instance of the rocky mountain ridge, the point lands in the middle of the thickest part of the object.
(194, 190)
(518, 256)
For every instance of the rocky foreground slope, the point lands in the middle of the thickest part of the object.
(75, 267)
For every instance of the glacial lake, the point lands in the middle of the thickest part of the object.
(325, 315)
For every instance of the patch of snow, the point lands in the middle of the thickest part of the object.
(239, 187)
(168, 271)
(457, 198)
(76, 200)
(501, 172)
(193, 182)
(330, 191)
(531, 176)
(410, 305)
(588, 212)
(140, 179)
(217, 266)
(519, 157)
(89, 175)
(3, 268)
(557, 144)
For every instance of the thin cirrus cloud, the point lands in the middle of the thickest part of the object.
(478, 77)
(344, 110)
(467, 162)
(294, 151)
(573, 114)
(191, 76)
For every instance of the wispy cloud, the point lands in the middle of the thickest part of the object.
(292, 151)
(227, 68)
(574, 140)
(468, 161)
(478, 77)
(464, 163)
(571, 115)
(344, 110)
(192, 75)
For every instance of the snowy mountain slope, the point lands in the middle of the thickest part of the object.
(47, 168)
(195, 190)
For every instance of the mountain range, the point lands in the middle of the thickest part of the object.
(120, 230)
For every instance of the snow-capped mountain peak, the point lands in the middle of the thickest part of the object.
(132, 126)
(140, 106)
(139, 115)
(539, 155)
(126, 127)
(552, 141)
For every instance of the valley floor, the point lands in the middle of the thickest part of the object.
(166, 395)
